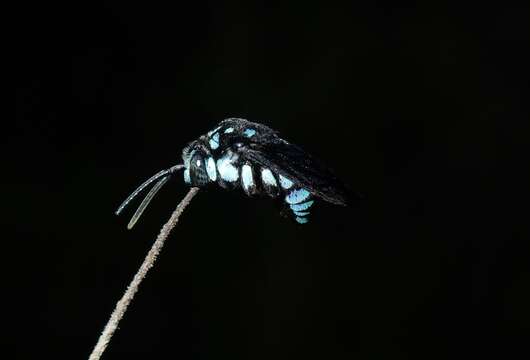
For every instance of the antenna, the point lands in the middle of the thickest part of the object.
(146, 183)
(146, 201)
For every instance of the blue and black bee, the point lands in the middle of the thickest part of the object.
(240, 153)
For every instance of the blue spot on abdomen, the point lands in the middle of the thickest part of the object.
(302, 206)
(285, 182)
(297, 196)
(301, 220)
(226, 169)
(247, 177)
(267, 177)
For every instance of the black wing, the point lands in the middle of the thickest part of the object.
(294, 163)
(267, 149)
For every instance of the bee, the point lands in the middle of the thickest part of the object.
(240, 154)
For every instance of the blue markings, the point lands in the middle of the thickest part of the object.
(226, 169)
(214, 130)
(299, 208)
(302, 206)
(187, 159)
(211, 169)
(297, 196)
(246, 177)
(229, 130)
(284, 182)
(301, 220)
(268, 178)
(187, 179)
(214, 141)
(249, 132)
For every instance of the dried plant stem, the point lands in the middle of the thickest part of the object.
(150, 259)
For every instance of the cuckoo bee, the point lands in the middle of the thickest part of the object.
(242, 154)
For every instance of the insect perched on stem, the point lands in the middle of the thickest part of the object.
(243, 154)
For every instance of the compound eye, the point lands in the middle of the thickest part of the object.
(198, 173)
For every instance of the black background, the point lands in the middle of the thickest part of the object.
(421, 108)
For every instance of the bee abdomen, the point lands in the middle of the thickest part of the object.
(256, 180)
(299, 201)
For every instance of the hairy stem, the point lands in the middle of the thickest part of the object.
(148, 263)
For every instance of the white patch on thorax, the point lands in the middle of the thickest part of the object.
(226, 168)
(210, 169)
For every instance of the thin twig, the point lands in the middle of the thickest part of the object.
(149, 261)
